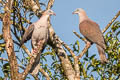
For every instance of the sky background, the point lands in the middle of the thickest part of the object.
(100, 11)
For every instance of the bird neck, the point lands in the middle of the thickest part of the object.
(43, 20)
(44, 17)
(83, 17)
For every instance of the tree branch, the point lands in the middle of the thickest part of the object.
(57, 46)
(3, 59)
(76, 65)
(44, 73)
(67, 47)
(80, 36)
(26, 50)
(109, 24)
(88, 44)
(77, 68)
(50, 4)
(24, 68)
(9, 42)
(1, 17)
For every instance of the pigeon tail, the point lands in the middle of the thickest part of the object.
(35, 67)
(102, 54)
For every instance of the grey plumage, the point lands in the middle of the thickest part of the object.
(27, 35)
(91, 31)
(38, 33)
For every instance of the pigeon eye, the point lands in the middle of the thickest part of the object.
(77, 9)
(49, 11)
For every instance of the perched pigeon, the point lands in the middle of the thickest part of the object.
(38, 33)
(91, 31)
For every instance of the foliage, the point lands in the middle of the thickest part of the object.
(93, 69)
(90, 67)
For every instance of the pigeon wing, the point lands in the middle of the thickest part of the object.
(91, 31)
(27, 35)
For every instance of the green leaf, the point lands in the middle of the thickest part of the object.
(92, 56)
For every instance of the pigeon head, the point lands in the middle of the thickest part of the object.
(48, 12)
(79, 11)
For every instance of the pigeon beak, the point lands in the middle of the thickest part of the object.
(75, 12)
(53, 14)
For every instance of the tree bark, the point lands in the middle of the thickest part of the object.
(9, 42)
(65, 62)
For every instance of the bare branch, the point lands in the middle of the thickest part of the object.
(26, 50)
(109, 24)
(1, 17)
(38, 4)
(76, 65)
(44, 73)
(77, 68)
(3, 59)
(88, 44)
(50, 4)
(79, 36)
(67, 47)
(9, 42)
(57, 46)
(34, 5)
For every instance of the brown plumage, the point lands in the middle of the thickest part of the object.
(91, 31)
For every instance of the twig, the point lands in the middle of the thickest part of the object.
(44, 73)
(50, 4)
(67, 47)
(88, 44)
(34, 5)
(26, 50)
(18, 64)
(3, 59)
(109, 24)
(38, 4)
(79, 36)
(8, 61)
(1, 17)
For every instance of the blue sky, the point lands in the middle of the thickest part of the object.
(101, 11)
